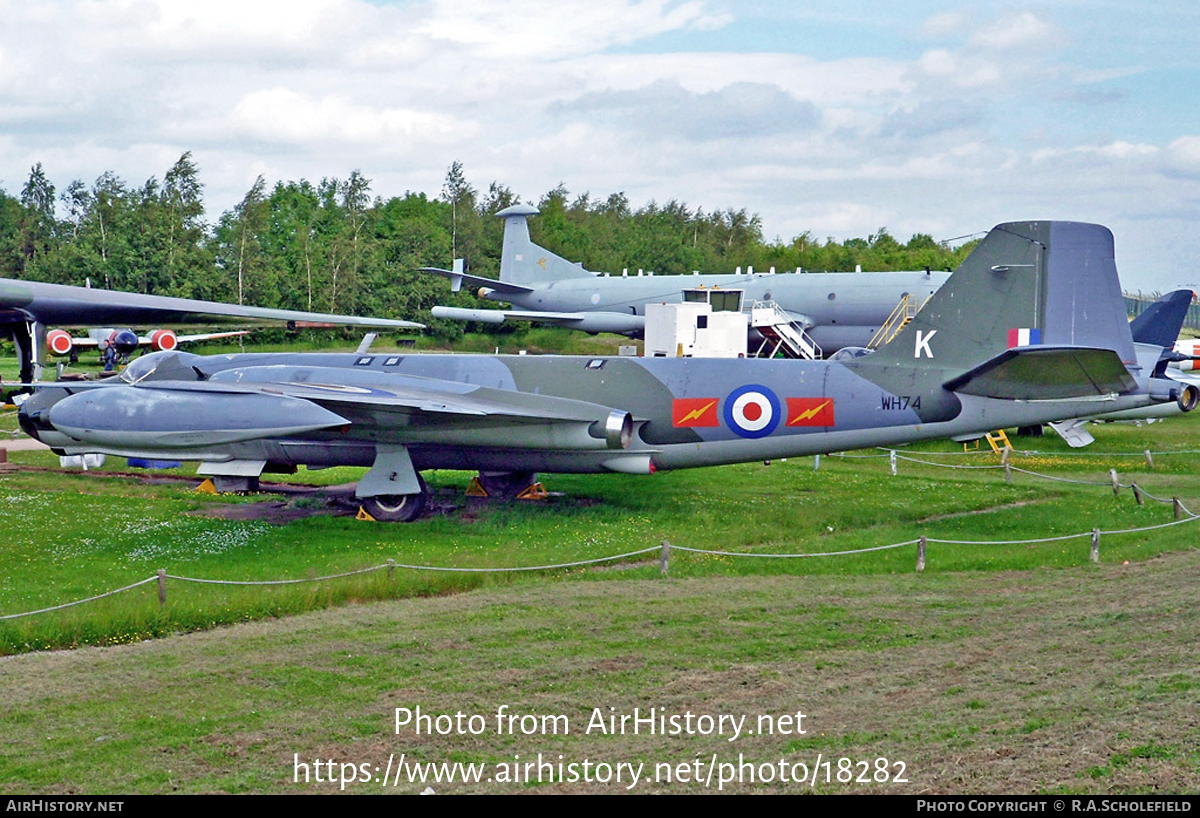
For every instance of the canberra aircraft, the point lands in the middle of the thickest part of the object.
(28, 309)
(836, 309)
(1031, 328)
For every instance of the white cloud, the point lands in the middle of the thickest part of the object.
(1183, 156)
(1019, 31)
(550, 29)
(282, 115)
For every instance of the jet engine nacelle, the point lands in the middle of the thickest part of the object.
(163, 339)
(1189, 398)
(59, 342)
(1185, 395)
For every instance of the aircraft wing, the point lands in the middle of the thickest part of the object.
(621, 322)
(335, 387)
(458, 278)
(499, 316)
(202, 336)
(60, 304)
(88, 341)
(1046, 373)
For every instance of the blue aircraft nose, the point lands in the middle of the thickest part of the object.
(125, 340)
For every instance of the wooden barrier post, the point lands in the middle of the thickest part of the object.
(1149, 459)
(1178, 508)
(1116, 483)
(1137, 494)
(1095, 545)
(921, 543)
(664, 558)
(892, 461)
(162, 587)
(391, 570)
(1007, 472)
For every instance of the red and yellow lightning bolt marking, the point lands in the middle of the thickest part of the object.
(694, 412)
(810, 411)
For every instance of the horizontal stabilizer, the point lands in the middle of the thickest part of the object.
(1046, 373)
(457, 279)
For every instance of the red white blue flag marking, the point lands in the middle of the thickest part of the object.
(1024, 336)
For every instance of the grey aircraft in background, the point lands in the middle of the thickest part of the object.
(836, 309)
(28, 310)
(1031, 328)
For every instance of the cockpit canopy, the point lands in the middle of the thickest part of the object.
(163, 366)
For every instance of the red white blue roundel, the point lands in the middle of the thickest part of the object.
(752, 411)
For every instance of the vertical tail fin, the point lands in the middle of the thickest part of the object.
(1159, 324)
(1027, 283)
(522, 261)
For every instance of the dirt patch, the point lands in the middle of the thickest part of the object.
(987, 510)
(277, 512)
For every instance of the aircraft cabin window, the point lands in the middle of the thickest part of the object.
(393, 361)
(365, 361)
(596, 363)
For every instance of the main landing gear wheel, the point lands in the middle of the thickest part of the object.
(396, 508)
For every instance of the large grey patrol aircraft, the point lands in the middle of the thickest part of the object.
(1031, 328)
(28, 309)
(836, 309)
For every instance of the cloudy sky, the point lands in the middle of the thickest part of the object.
(828, 117)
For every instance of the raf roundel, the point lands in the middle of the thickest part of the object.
(752, 411)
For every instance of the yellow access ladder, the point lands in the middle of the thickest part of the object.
(900, 318)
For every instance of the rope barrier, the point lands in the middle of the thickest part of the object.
(793, 556)
(80, 601)
(389, 566)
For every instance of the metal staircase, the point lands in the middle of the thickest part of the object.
(900, 318)
(780, 333)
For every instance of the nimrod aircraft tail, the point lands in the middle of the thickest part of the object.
(523, 262)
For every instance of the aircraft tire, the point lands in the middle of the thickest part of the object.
(397, 508)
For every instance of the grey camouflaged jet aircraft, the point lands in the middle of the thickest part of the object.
(29, 308)
(1031, 328)
(836, 309)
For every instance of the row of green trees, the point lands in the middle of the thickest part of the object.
(332, 247)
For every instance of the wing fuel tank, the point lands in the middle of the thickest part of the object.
(179, 419)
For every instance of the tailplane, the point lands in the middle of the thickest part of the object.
(522, 261)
